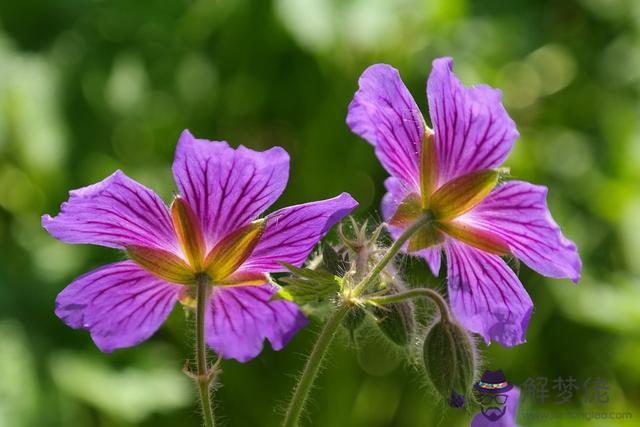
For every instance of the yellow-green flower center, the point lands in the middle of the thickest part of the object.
(219, 264)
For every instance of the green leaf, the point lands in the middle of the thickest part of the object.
(309, 274)
(282, 294)
(306, 286)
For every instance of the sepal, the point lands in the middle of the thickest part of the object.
(463, 193)
(475, 237)
(162, 264)
(189, 232)
(233, 250)
(426, 237)
(428, 168)
(244, 279)
(408, 211)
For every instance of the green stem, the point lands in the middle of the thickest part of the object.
(301, 392)
(413, 293)
(203, 377)
(393, 250)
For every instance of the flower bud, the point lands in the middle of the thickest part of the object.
(396, 321)
(456, 400)
(353, 319)
(449, 360)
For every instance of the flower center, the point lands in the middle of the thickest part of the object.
(444, 205)
(220, 264)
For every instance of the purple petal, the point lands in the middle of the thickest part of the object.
(292, 233)
(396, 193)
(433, 257)
(486, 296)
(509, 417)
(227, 188)
(239, 319)
(120, 304)
(472, 129)
(517, 212)
(384, 113)
(116, 212)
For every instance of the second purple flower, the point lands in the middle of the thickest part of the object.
(449, 175)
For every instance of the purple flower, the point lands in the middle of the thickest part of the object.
(449, 174)
(211, 229)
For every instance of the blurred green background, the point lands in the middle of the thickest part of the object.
(87, 87)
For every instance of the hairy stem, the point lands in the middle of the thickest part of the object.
(388, 256)
(203, 377)
(301, 392)
(415, 293)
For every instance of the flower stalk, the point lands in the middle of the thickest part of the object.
(415, 293)
(392, 252)
(204, 376)
(312, 366)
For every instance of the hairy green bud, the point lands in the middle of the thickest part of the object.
(354, 318)
(396, 322)
(449, 358)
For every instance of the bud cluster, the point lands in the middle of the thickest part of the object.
(395, 321)
(448, 349)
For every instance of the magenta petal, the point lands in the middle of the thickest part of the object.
(239, 319)
(396, 193)
(227, 188)
(384, 113)
(517, 212)
(292, 233)
(472, 129)
(433, 257)
(486, 296)
(116, 212)
(120, 304)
